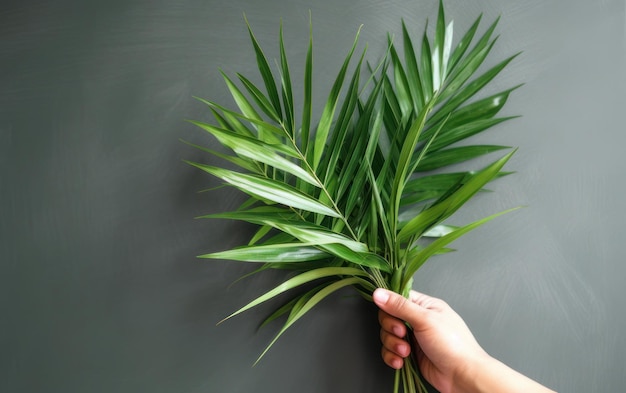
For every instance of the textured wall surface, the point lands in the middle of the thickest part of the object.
(99, 287)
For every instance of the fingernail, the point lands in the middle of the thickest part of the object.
(403, 350)
(380, 296)
(396, 363)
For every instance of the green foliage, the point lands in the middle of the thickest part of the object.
(350, 200)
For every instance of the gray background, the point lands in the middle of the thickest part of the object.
(100, 289)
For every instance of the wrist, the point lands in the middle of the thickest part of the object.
(484, 374)
(474, 376)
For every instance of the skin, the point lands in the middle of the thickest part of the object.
(448, 355)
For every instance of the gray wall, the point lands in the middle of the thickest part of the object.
(99, 287)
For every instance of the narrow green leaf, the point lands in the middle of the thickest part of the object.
(308, 89)
(248, 110)
(378, 206)
(461, 132)
(439, 230)
(440, 243)
(367, 259)
(468, 91)
(266, 132)
(416, 198)
(319, 236)
(426, 71)
(438, 47)
(319, 296)
(470, 63)
(434, 187)
(404, 161)
(332, 242)
(282, 310)
(401, 93)
(265, 70)
(354, 178)
(436, 69)
(353, 157)
(425, 148)
(446, 207)
(341, 129)
(393, 111)
(455, 155)
(221, 121)
(279, 238)
(236, 126)
(248, 203)
(259, 151)
(439, 181)
(301, 267)
(372, 229)
(328, 114)
(440, 29)
(297, 281)
(259, 215)
(412, 71)
(463, 44)
(485, 108)
(269, 189)
(243, 163)
(287, 307)
(240, 99)
(230, 119)
(447, 47)
(286, 87)
(259, 98)
(259, 234)
(291, 252)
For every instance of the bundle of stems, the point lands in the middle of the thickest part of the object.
(361, 197)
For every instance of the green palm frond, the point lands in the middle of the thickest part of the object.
(346, 200)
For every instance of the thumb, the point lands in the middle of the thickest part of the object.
(398, 306)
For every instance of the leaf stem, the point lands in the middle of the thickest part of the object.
(320, 184)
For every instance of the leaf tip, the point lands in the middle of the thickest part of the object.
(221, 321)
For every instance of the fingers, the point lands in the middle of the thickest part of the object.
(395, 344)
(400, 307)
(392, 334)
(419, 311)
(391, 324)
(391, 359)
(428, 302)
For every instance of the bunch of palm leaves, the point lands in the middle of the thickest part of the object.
(359, 197)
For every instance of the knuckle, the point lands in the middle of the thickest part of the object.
(399, 302)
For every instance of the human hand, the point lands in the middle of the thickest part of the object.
(445, 345)
(448, 355)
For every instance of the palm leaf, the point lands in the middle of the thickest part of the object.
(347, 199)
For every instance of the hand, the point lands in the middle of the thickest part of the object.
(448, 355)
(445, 344)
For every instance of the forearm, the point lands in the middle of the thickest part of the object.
(489, 375)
